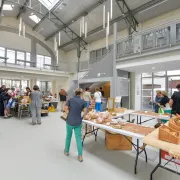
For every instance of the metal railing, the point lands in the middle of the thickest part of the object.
(141, 42)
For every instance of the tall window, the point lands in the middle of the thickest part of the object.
(20, 58)
(11, 56)
(40, 61)
(28, 58)
(43, 61)
(2, 54)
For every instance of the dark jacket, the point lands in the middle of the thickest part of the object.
(164, 101)
(5, 96)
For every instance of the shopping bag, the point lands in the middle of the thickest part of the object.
(65, 115)
(161, 111)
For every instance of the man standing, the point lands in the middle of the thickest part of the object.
(1, 100)
(175, 101)
(63, 97)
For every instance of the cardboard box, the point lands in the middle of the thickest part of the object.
(117, 142)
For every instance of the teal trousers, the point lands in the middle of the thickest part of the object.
(77, 132)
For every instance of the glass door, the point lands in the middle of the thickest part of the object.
(16, 84)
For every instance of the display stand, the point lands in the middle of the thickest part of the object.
(136, 146)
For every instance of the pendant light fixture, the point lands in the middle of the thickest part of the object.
(104, 16)
(20, 25)
(111, 6)
(85, 29)
(108, 23)
(30, 3)
(107, 36)
(24, 30)
(59, 38)
(55, 43)
(80, 27)
(83, 24)
(57, 56)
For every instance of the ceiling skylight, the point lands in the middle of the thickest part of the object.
(34, 18)
(8, 7)
(48, 3)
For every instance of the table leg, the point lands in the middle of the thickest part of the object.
(159, 164)
(137, 119)
(137, 155)
(140, 120)
(84, 134)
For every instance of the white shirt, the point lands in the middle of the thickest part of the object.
(97, 96)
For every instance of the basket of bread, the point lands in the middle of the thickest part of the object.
(169, 134)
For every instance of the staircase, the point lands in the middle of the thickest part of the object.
(94, 69)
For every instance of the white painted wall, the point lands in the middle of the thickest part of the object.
(13, 41)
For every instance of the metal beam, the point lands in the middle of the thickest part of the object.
(131, 21)
(84, 13)
(2, 3)
(122, 17)
(22, 9)
(45, 16)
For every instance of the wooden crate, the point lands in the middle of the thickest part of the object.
(117, 142)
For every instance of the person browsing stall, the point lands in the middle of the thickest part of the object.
(97, 98)
(87, 97)
(175, 101)
(157, 101)
(36, 104)
(75, 106)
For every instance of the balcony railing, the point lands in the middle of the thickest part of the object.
(152, 40)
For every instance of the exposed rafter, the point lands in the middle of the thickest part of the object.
(122, 17)
(46, 15)
(22, 9)
(84, 13)
(131, 21)
(2, 3)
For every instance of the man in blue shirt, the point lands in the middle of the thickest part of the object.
(75, 106)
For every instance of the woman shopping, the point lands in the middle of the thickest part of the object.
(87, 97)
(75, 106)
(157, 101)
(63, 97)
(97, 98)
(36, 105)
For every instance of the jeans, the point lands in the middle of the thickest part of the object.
(98, 107)
(87, 104)
(77, 131)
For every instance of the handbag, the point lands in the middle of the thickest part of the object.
(65, 115)
(161, 111)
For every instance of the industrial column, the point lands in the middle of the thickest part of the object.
(114, 87)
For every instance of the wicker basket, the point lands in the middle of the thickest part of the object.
(173, 125)
(165, 134)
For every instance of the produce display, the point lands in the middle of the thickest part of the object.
(171, 133)
(106, 118)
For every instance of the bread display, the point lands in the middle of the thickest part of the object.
(169, 134)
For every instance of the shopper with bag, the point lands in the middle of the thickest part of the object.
(87, 97)
(63, 97)
(97, 98)
(75, 106)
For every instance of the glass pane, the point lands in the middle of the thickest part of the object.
(11, 56)
(6, 82)
(43, 87)
(147, 94)
(176, 72)
(20, 56)
(178, 32)
(98, 53)
(16, 84)
(24, 84)
(160, 73)
(148, 41)
(159, 84)
(2, 54)
(172, 83)
(49, 87)
(28, 58)
(40, 61)
(146, 74)
(48, 62)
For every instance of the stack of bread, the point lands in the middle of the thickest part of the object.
(171, 133)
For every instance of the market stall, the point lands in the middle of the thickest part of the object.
(167, 140)
(105, 122)
(151, 115)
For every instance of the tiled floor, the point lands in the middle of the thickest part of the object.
(36, 153)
